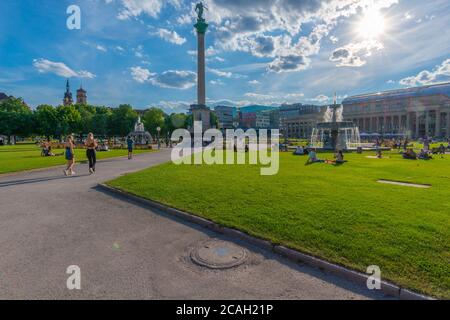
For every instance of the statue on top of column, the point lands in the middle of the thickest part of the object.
(200, 8)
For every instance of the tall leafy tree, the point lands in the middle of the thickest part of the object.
(87, 113)
(68, 120)
(100, 121)
(15, 118)
(14, 105)
(154, 118)
(122, 120)
(46, 120)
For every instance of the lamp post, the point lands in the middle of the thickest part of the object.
(159, 142)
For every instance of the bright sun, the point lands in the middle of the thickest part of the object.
(371, 25)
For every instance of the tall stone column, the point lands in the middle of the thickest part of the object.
(417, 124)
(408, 122)
(200, 111)
(437, 132)
(201, 89)
(427, 123)
(448, 124)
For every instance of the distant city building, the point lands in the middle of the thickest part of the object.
(274, 118)
(247, 120)
(81, 96)
(225, 117)
(298, 120)
(413, 112)
(262, 120)
(68, 100)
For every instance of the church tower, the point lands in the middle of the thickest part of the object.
(81, 96)
(68, 95)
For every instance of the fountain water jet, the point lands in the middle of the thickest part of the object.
(335, 133)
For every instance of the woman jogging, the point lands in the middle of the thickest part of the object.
(70, 156)
(91, 146)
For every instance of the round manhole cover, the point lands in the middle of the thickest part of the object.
(217, 254)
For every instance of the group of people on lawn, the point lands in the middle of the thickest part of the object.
(313, 158)
(409, 153)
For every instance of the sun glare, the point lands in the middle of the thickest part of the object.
(372, 24)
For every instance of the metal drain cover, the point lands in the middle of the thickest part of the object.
(218, 254)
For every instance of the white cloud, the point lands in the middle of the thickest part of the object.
(334, 39)
(176, 79)
(101, 48)
(139, 52)
(60, 69)
(223, 74)
(440, 73)
(249, 26)
(259, 96)
(254, 82)
(173, 79)
(295, 95)
(170, 36)
(217, 82)
(134, 8)
(321, 98)
(352, 55)
(184, 19)
(141, 75)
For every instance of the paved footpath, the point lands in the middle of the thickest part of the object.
(49, 222)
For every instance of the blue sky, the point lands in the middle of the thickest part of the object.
(268, 52)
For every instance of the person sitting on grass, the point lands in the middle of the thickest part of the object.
(425, 155)
(410, 155)
(299, 151)
(339, 158)
(379, 154)
(312, 157)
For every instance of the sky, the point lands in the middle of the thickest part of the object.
(143, 52)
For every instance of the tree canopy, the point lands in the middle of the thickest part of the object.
(16, 118)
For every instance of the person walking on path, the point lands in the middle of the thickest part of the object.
(91, 145)
(70, 156)
(130, 145)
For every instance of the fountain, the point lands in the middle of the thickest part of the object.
(139, 135)
(335, 133)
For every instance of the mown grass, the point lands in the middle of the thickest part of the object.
(28, 156)
(339, 213)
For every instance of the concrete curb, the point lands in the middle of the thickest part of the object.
(359, 278)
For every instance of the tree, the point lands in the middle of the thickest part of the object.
(100, 121)
(154, 118)
(122, 120)
(46, 120)
(176, 121)
(15, 118)
(214, 120)
(68, 120)
(87, 113)
(14, 105)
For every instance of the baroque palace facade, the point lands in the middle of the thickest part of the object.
(413, 112)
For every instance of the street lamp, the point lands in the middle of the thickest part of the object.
(159, 143)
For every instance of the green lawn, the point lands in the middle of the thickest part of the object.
(338, 213)
(28, 156)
